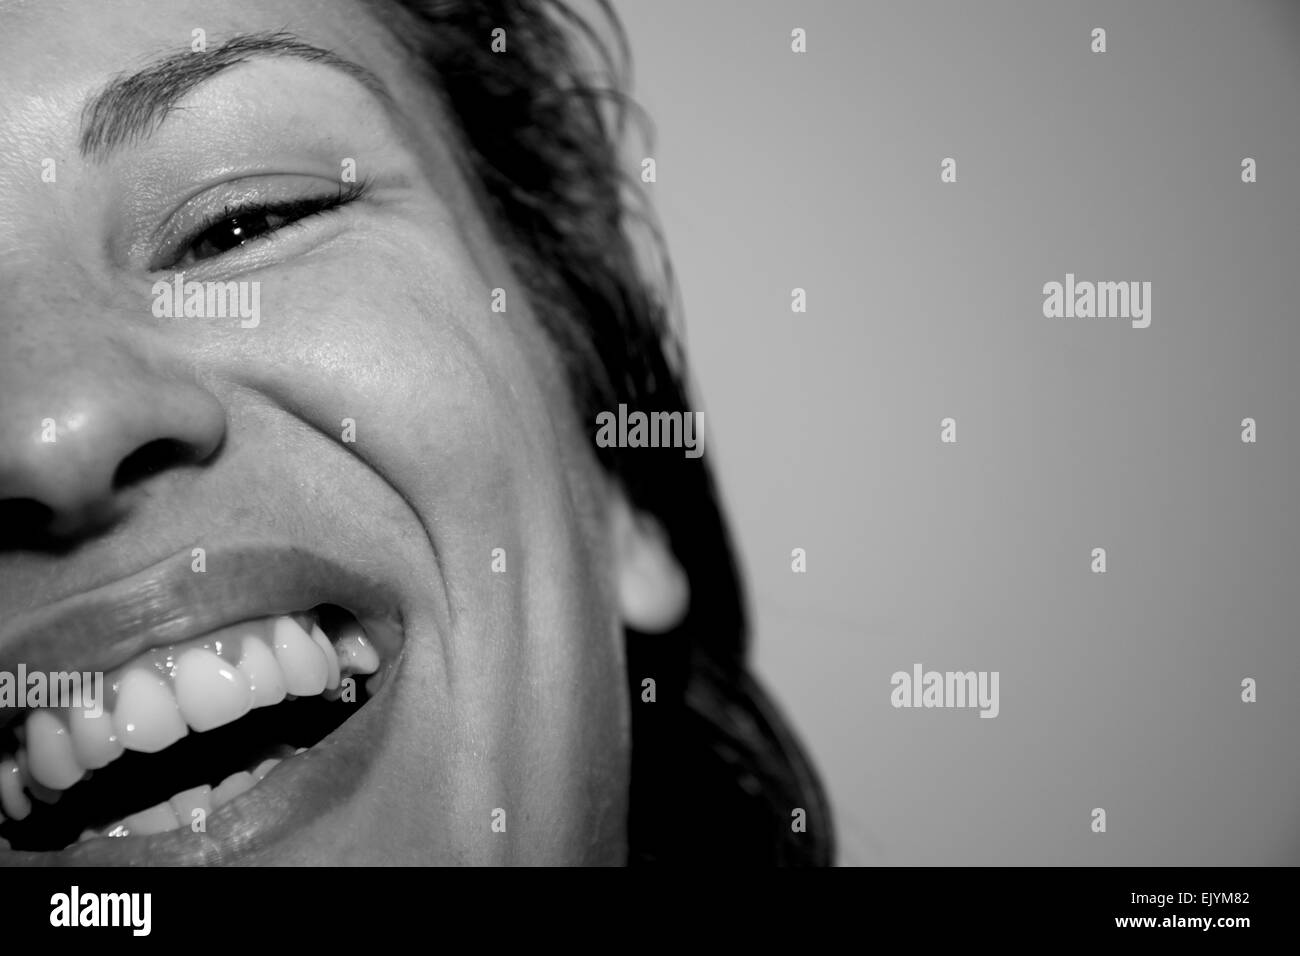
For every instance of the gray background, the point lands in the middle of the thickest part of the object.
(821, 170)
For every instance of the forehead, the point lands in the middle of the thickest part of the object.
(56, 54)
(88, 36)
(58, 57)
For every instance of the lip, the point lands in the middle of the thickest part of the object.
(167, 603)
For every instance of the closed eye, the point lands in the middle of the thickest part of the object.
(241, 224)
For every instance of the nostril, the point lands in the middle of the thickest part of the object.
(25, 520)
(151, 459)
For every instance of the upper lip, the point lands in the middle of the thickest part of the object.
(170, 602)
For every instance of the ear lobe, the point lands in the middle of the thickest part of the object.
(653, 592)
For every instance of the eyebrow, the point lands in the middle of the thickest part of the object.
(132, 106)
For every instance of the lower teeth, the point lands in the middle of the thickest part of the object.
(100, 805)
(190, 807)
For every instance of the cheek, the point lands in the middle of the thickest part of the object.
(462, 410)
(395, 332)
(477, 432)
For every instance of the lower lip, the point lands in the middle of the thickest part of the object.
(252, 827)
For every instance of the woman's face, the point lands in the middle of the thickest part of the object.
(368, 432)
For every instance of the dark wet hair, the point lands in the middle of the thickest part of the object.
(717, 775)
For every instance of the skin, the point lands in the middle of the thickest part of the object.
(511, 691)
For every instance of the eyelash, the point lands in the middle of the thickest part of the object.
(292, 211)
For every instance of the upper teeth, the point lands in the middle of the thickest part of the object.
(156, 699)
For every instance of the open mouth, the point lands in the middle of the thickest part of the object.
(185, 730)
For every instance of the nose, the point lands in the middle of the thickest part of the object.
(80, 436)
